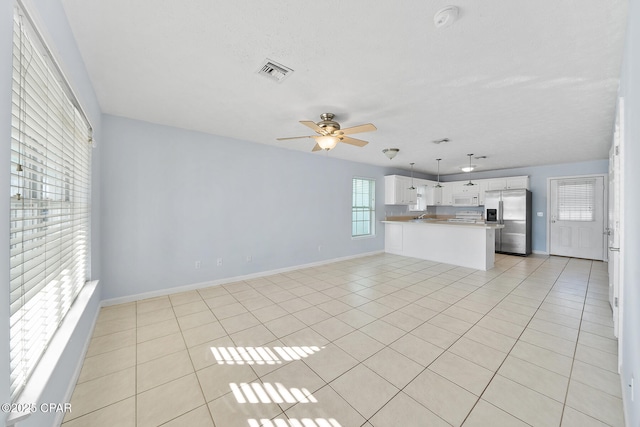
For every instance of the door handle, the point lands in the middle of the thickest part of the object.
(612, 249)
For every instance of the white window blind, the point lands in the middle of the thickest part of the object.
(576, 200)
(50, 173)
(363, 207)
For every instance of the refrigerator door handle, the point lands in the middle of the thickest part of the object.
(500, 213)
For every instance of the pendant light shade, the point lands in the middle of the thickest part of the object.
(438, 185)
(412, 187)
(469, 171)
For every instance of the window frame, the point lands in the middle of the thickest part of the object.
(367, 209)
(50, 199)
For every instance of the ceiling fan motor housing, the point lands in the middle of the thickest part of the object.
(327, 123)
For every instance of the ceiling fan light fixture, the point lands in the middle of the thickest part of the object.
(390, 152)
(327, 142)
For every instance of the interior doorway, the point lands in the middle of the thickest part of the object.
(576, 217)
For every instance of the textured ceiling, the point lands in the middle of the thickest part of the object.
(524, 83)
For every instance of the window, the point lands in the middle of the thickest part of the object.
(363, 207)
(50, 172)
(576, 200)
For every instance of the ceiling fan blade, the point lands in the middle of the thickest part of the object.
(357, 129)
(295, 137)
(354, 141)
(312, 125)
(316, 148)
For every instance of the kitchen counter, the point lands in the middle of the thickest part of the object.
(434, 221)
(459, 243)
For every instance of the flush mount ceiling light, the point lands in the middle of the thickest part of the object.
(445, 16)
(390, 152)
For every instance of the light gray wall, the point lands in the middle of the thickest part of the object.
(53, 23)
(630, 91)
(172, 197)
(538, 184)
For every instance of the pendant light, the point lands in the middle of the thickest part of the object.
(412, 187)
(438, 185)
(469, 171)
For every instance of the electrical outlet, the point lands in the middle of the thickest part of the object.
(249, 258)
(219, 262)
(198, 264)
(319, 248)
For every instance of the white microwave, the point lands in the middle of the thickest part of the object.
(466, 199)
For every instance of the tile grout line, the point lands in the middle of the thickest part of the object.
(514, 344)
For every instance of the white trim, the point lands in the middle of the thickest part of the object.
(541, 253)
(194, 286)
(52, 356)
(76, 373)
(605, 201)
(53, 55)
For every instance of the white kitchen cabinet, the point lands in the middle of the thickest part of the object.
(437, 196)
(517, 182)
(397, 191)
(508, 183)
(444, 196)
(496, 184)
(482, 187)
(447, 192)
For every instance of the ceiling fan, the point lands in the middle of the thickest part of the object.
(329, 133)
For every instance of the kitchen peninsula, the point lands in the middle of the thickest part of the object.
(459, 243)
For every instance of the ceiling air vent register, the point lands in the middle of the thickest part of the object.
(274, 70)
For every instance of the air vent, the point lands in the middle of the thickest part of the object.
(275, 71)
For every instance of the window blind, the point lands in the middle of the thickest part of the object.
(363, 207)
(576, 200)
(50, 200)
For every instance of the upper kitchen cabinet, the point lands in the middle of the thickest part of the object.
(508, 183)
(397, 190)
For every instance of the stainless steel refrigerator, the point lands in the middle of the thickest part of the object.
(513, 209)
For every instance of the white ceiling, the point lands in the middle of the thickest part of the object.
(524, 83)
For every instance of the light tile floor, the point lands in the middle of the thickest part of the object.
(377, 341)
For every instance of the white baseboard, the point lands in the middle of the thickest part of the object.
(541, 252)
(193, 286)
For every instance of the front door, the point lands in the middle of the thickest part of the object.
(577, 217)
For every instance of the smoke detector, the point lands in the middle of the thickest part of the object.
(445, 16)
